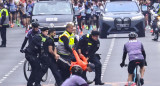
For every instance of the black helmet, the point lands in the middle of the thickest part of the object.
(35, 23)
(76, 70)
(133, 35)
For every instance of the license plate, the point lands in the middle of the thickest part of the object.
(123, 25)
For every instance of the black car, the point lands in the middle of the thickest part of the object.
(122, 17)
(55, 14)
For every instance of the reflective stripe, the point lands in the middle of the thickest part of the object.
(87, 35)
(70, 37)
(61, 49)
(89, 43)
(6, 22)
(43, 38)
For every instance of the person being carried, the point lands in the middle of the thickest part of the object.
(82, 62)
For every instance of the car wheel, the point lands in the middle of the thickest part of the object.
(103, 31)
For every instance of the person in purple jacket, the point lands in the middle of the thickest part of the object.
(136, 54)
(75, 79)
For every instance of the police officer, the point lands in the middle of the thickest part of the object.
(88, 45)
(50, 56)
(4, 23)
(65, 44)
(35, 49)
(31, 33)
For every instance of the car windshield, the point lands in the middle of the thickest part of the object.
(55, 8)
(121, 7)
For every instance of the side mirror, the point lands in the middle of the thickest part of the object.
(144, 8)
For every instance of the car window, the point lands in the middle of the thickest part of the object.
(52, 8)
(121, 7)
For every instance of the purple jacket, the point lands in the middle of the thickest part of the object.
(134, 49)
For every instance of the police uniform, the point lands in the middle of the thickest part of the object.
(88, 48)
(35, 49)
(48, 61)
(65, 44)
(4, 21)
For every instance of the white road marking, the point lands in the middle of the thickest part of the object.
(11, 71)
(104, 66)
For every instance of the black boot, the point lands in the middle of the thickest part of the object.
(2, 45)
(101, 83)
(155, 39)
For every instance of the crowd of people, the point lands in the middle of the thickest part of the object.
(20, 12)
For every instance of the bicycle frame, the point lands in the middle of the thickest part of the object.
(135, 73)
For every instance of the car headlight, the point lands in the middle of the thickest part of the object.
(137, 17)
(108, 18)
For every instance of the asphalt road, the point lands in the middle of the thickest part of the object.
(11, 61)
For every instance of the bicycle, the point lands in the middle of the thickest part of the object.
(27, 71)
(135, 77)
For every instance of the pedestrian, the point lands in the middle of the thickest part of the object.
(4, 23)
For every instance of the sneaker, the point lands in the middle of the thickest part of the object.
(81, 33)
(86, 27)
(82, 26)
(12, 25)
(22, 26)
(18, 25)
(26, 31)
(142, 81)
(94, 27)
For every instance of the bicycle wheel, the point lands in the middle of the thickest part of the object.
(27, 69)
(44, 78)
(138, 80)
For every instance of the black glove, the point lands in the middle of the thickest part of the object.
(122, 64)
(22, 51)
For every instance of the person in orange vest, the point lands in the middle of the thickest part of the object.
(82, 61)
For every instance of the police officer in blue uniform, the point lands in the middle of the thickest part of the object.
(32, 54)
(49, 58)
(88, 46)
